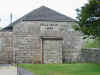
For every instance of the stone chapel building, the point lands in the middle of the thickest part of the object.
(42, 36)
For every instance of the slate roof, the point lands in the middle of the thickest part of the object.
(46, 14)
(41, 14)
(8, 28)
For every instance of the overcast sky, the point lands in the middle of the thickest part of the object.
(21, 7)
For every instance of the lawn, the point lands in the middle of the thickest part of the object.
(63, 69)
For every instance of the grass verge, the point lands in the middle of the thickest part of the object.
(63, 69)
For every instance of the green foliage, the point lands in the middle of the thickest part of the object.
(92, 43)
(76, 27)
(89, 18)
(63, 69)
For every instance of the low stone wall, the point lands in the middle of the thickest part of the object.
(6, 50)
(90, 55)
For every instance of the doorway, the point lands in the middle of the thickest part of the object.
(52, 51)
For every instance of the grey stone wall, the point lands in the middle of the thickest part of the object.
(24, 43)
(90, 55)
(6, 47)
(27, 40)
(72, 44)
(71, 55)
(27, 43)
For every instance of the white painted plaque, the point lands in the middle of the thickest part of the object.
(48, 27)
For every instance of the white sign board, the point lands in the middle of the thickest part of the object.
(48, 27)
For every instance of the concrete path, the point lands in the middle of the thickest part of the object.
(24, 72)
(6, 69)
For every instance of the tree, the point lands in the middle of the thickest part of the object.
(89, 18)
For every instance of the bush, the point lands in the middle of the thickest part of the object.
(92, 43)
